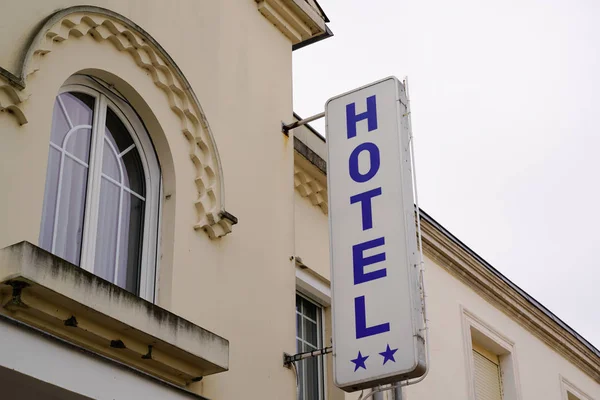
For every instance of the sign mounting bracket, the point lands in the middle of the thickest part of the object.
(289, 359)
(286, 128)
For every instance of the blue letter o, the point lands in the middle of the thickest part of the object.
(373, 162)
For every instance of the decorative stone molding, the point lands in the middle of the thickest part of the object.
(105, 25)
(10, 98)
(222, 227)
(296, 19)
(311, 188)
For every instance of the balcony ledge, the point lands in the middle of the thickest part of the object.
(60, 298)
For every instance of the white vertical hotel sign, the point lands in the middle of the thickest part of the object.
(378, 324)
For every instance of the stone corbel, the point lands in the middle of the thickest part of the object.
(219, 225)
(310, 188)
(10, 101)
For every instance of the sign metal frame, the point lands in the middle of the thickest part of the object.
(377, 301)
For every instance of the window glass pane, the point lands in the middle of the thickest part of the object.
(310, 310)
(301, 380)
(77, 110)
(116, 132)
(130, 242)
(122, 162)
(110, 164)
(312, 378)
(106, 235)
(71, 205)
(70, 110)
(66, 179)
(78, 144)
(60, 126)
(50, 198)
(310, 369)
(310, 332)
(134, 172)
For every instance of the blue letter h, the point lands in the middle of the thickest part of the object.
(370, 115)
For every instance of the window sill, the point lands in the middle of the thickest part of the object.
(51, 294)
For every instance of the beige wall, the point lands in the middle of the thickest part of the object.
(239, 66)
(312, 236)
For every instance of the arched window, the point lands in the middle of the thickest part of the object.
(101, 199)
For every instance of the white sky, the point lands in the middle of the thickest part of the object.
(504, 98)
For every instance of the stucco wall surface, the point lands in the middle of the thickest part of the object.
(239, 66)
(312, 236)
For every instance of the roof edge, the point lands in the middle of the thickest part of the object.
(428, 218)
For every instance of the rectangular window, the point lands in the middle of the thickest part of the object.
(492, 368)
(571, 392)
(309, 336)
(488, 378)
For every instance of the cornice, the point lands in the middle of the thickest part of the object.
(310, 155)
(296, 19)
(104, 25)
(466, 268)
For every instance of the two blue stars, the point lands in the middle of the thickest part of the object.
(388, 355)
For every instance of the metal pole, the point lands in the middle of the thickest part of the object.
(397, 393)
(286, 128)
(378, 396)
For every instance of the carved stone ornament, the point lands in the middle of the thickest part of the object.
(105, 25)
(311, 188)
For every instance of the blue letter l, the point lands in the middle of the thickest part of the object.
(360, 318)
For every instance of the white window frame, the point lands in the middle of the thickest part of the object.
(495, 342)
(104, 99)
(567, 386)
(312, 287)
(322, 365)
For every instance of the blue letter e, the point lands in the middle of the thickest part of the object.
(359, 261)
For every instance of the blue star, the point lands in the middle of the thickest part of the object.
(360, 362)
(388, 354)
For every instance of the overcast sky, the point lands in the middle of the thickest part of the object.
(505, 108)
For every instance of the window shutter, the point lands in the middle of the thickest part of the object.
(571, 396)
(488, 382)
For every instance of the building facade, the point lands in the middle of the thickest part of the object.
(158, 228)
